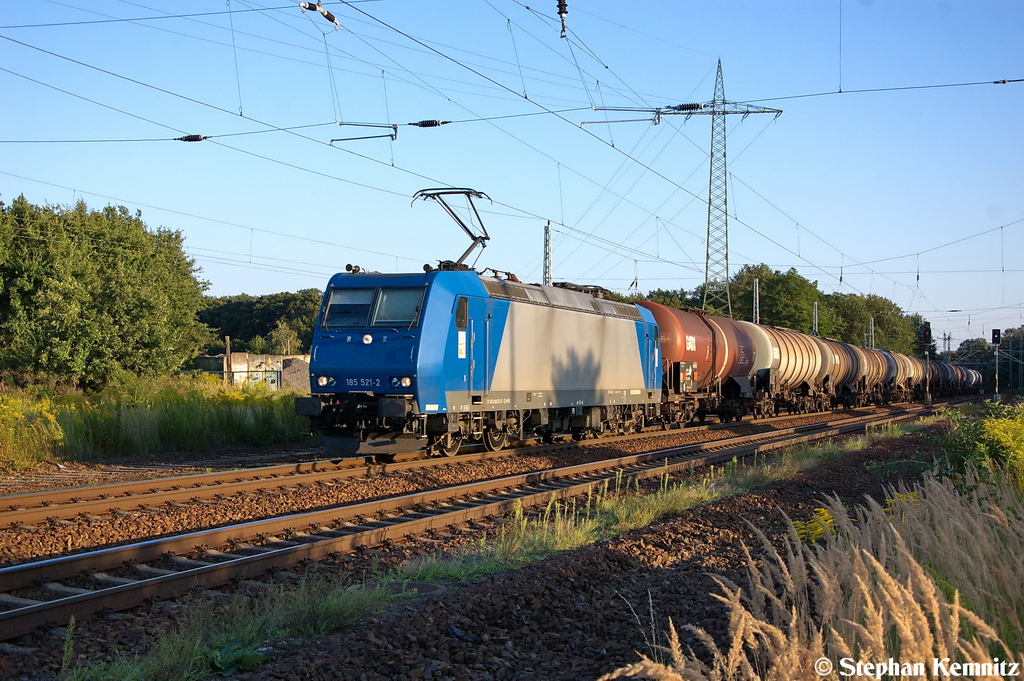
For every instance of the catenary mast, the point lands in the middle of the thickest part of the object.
(716, 268)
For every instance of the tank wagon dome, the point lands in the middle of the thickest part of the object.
(916, 371)
(892, 368)
(684, 338)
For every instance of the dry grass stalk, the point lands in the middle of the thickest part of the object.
(917, 580)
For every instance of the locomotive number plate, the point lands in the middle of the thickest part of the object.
(362, 382)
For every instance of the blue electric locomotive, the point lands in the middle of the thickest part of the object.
(403, 362)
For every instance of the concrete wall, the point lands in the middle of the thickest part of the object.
(290, 370)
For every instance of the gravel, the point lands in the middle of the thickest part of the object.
(577, 616)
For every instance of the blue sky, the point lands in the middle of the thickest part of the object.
(913, 194)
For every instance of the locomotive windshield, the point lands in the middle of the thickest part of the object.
(377, 307)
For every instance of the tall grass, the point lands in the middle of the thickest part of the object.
(933, 574)
(143, 417)
(215, 636)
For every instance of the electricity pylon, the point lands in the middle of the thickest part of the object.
(716, 268)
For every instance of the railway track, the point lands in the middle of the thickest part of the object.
(121, 577)
(27, 511)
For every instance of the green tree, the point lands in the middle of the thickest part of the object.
(244, 317)
(976, 353)
(283, 339)
(259, 345)
(786, 299)
(852, 317)
(671, 297)
(87, 294)
(894, 330)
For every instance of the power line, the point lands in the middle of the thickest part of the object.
(214, 220)
(56, 24)
(1004, 81)
(535, 113)
(270, 126)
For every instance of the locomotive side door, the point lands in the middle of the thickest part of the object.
(479, 349)
(463, 351)
(472, 367)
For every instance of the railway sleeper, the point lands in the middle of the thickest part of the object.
(14, 602)
(148, 571)
(111, 580)
(63, 591)
(221, 556)
(188, 563)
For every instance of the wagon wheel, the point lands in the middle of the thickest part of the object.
(448, 444)
(638, 423)
(495, 439)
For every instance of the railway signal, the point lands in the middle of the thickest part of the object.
(995, 353)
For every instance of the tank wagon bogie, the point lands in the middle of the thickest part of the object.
(403, 362)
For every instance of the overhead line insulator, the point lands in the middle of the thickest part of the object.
(319, 7)
(191, 138)
(429, 124)
(687, 107)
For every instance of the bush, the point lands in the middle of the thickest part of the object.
(980, 437)
(143, 416)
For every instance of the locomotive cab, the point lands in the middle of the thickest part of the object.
(363, 364)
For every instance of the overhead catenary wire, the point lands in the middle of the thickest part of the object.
(234, 52)
(266, 12)
(901, 88)
(270, 126)
(541, 113)
(321, 242)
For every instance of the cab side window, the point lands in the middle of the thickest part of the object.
(462, 314)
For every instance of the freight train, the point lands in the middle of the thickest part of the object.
(404, 362)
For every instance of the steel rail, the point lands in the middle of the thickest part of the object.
(64, 504)
(332, 531)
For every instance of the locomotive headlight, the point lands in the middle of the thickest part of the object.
(400, 381)
(367, 339)
(324, 381)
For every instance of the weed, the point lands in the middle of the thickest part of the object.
(69, 648)
(933, 574)
(235, 657)
(220, 638)
(816, 528)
